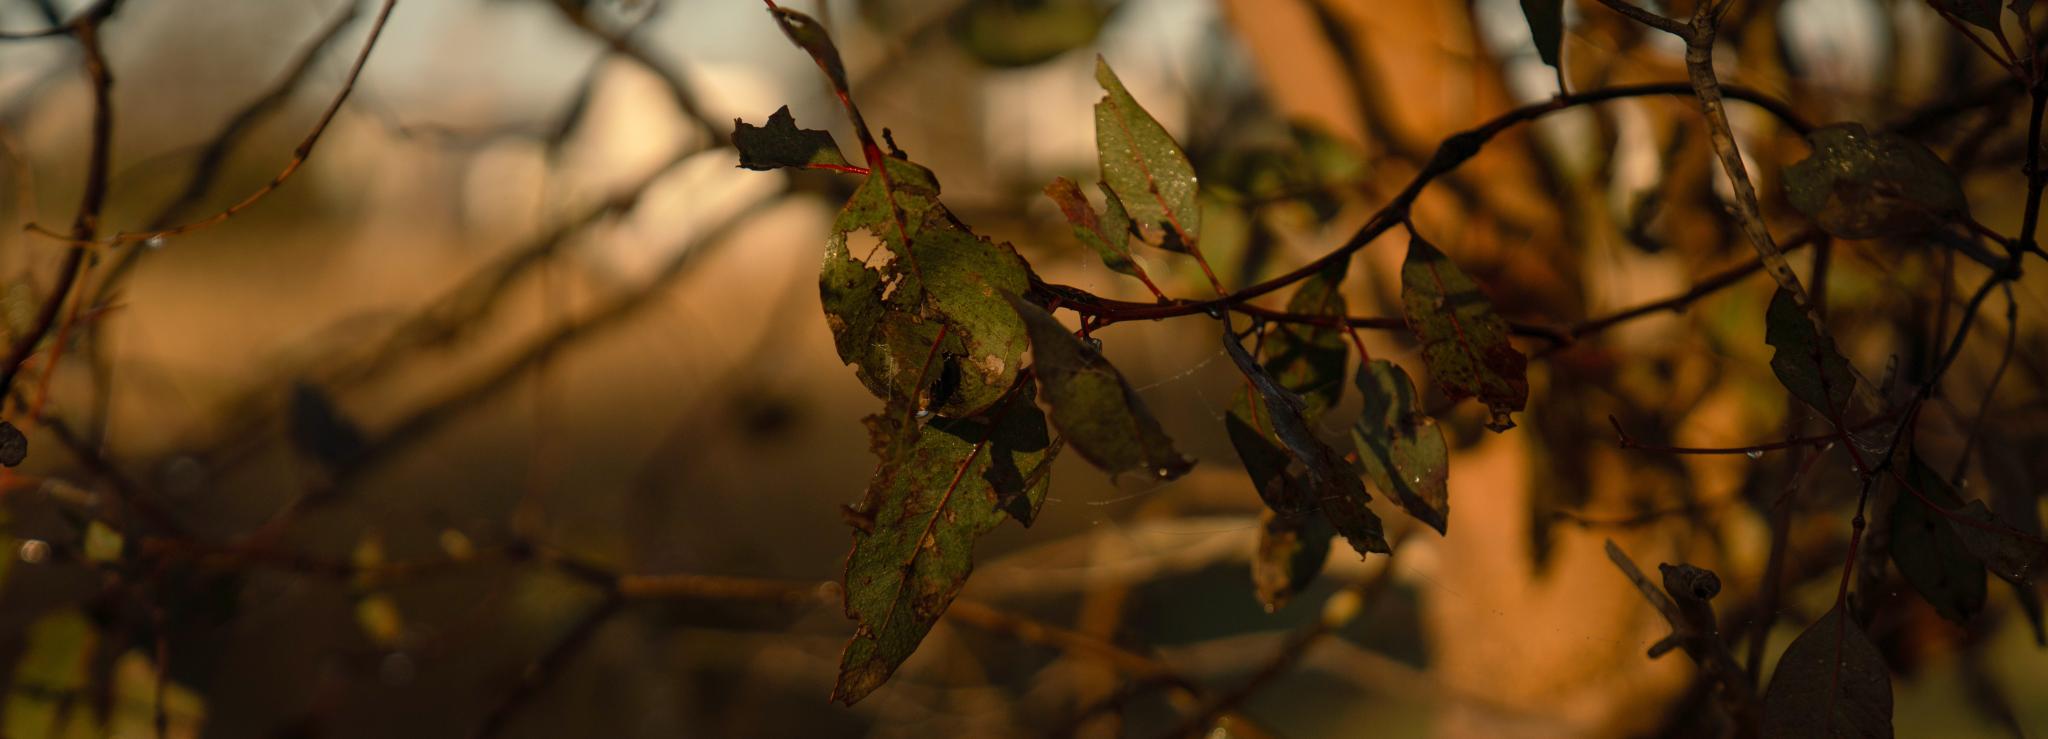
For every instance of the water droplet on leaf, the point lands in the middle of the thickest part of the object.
(1755, 454)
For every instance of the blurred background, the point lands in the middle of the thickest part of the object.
(340, 465)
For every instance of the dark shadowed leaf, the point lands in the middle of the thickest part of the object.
(1546, 25)
(13, 445)
(782, 144)
(1929, 553)
(1143, 165)
(1308, 359)
(1463, 341)
(1400, 449)
(1251, 434)
(1016, 33)
(2009, 553)
(321, 430)
(1108, 233)
(1806, 362)
(937, 489)
(1095, 409)
(1332, 483)
(1291, 552)
(1831, 682)
(1980, 13)
(1861, 185)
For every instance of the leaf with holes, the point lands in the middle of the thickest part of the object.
(1861, 185)
(1401, 449)
(1145, 167)
(1094, 408)
(1291, 552)
(938, 489)
(1930, 554)
(1332, 483)
(1806, 362)
(1546, 26)
(1108, 233)
(1463, 341)
(1830, 682)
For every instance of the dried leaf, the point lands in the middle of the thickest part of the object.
(1143, 165)
(1546, 26)
(13, 445)
(1291, 552)
(1930, 554)
(1463, 341)
(1109, 233)
(1400, 449)
(1806, 362)
(1861, 185)
(782, 144)
(937, 490)
(1831, 682)
(1095, 409)
(1331, 481)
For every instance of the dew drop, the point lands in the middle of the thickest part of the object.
(1214, 311)
(34, 551)
(1095, 343)
(154, 243)
(1163, 473)
(924, 413)
(1755, 454)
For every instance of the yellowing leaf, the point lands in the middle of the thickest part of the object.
(1109, 233)
(1291, 552)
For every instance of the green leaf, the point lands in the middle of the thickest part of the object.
(1546, 26)
(1017, 33)
(937, 490)
(931, 327)
(1831, 682)
(1980, 13)
(782, 144)
(1463, 341)
(2009, 553)
(1806, 362)
(1291, 552)
(1331, 482)
(13, 445)
(1400, 449)
(1930, 554)
(1860, 185)
(1094, 408)
(1109, 233)
(1145, 167)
